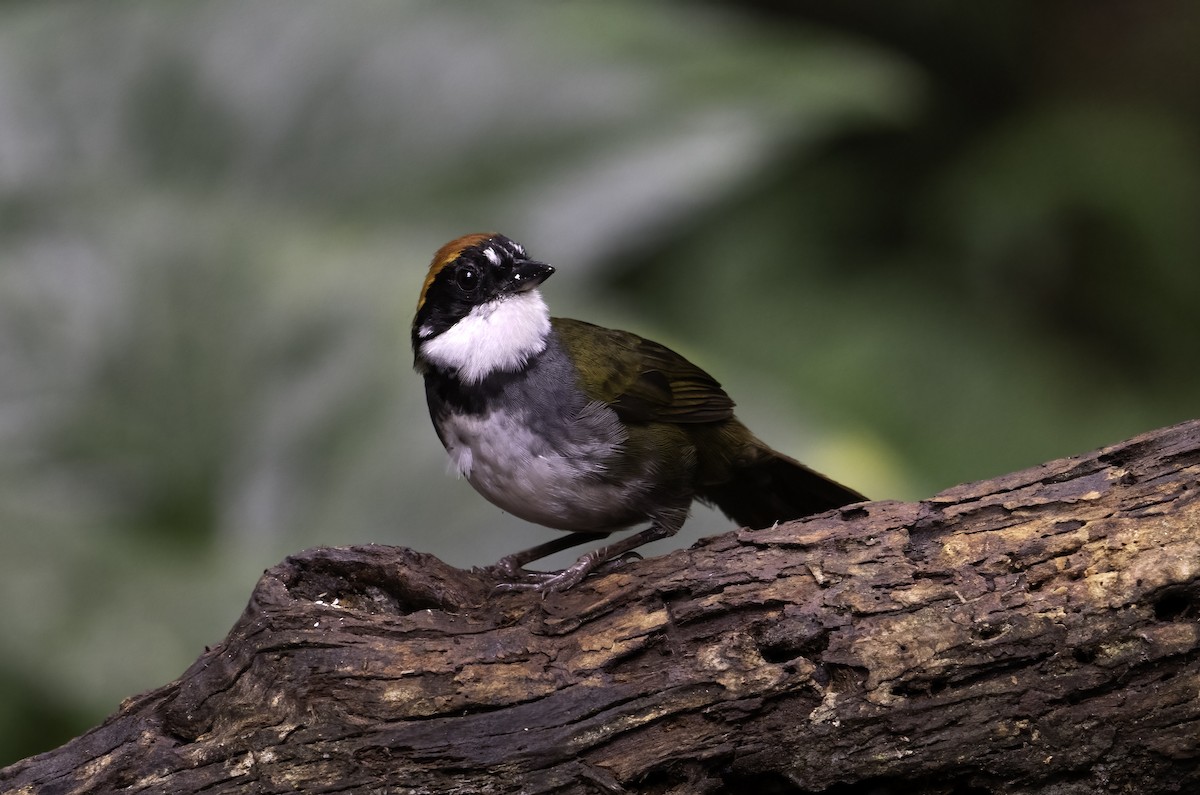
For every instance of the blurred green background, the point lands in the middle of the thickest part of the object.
(920, 245)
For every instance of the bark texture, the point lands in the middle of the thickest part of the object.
(1036, 633)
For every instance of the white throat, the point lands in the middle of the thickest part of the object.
(499, 336)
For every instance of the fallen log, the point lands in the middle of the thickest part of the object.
(1035, 633)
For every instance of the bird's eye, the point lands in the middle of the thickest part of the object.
(467, 279)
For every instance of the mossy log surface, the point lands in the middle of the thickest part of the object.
(1035, 633)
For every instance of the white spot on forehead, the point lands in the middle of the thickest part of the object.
(510, 246)
(492, 256)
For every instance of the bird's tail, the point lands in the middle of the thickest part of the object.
(768, 487)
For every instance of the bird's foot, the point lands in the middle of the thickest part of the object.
(508, 568)
(547, 582)
(514, 577)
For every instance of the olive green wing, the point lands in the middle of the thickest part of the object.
(639, 379)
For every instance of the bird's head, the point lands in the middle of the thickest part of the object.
(479, 310)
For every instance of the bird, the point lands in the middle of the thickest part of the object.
(583, 428)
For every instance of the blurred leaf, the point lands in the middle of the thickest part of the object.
(1078, 218)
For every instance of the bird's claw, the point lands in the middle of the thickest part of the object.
(544, 582)
(514, 578)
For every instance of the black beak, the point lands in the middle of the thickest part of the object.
(527, 274)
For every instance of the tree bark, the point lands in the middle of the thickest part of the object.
(1036, 633)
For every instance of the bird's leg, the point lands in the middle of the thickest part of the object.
(512, 567)
(666, 524)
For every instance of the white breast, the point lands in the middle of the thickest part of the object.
(559, 485)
